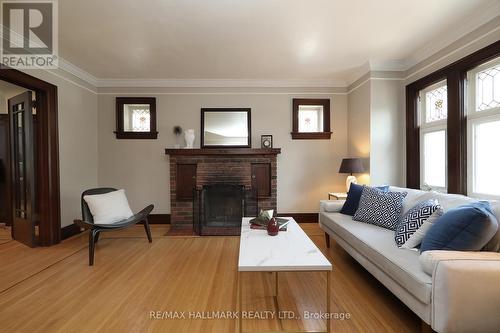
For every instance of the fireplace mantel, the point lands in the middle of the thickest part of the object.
(223, 151)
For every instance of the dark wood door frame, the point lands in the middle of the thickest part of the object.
(455, 75)
(48, 153)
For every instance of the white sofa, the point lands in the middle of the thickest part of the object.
(463, 292)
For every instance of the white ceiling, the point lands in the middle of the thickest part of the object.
(258, 39)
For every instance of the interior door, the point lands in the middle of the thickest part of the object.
(22, 168)
(5, 206)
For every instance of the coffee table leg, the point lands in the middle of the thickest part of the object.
(240, 302)
(276, 284)
(328, 301)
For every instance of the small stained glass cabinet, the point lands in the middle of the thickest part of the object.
(136, 118)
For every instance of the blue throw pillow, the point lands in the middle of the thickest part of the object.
(380, 208)
(353, 196)
(466, 228)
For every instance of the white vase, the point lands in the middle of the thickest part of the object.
(350, 179)
(189, 137)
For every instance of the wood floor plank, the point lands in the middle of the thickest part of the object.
(54, 290)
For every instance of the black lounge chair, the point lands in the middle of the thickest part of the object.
(87, 221)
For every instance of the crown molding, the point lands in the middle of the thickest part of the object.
(218, 83)
(472, 23)
(78, 72)
(389, 65)
(376, 69)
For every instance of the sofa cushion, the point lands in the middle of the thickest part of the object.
(465, 228)
(412, 198)
(414, 219)
(351, 203)
(429, 259)
(380, 208)
(377, 245)
(333, 206)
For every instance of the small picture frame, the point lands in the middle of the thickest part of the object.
(266, 141)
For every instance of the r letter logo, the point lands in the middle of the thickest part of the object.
(29, 34)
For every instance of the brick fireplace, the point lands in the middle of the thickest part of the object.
(191, 169)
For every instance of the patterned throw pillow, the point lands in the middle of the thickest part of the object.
(414, 219)
(380, 208)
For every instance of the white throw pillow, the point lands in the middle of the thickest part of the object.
(417, 237)
(109, 208)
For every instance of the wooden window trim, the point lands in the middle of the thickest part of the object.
(326, 134)
(455, 75)
(120, 133)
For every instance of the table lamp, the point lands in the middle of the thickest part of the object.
(351, 165)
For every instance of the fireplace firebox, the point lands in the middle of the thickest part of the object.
(219, 208)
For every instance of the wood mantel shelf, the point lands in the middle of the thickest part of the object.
(223, 151)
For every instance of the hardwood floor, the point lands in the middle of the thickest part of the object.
(4, 234)
(53, 289)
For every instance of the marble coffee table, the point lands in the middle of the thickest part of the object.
(289, 251)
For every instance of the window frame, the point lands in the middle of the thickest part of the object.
(455, 75)
(325, 134)
(428, 130)
(474, 118)
(430, 127)
(121, 133)
(471, 151)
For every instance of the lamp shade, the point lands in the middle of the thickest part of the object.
(351, 165)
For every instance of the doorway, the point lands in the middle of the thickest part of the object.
(29, 161)
(7, 92)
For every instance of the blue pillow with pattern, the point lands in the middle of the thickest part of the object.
(413, 220)
(351, 203)
(380, 208)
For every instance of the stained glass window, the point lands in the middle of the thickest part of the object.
(137, 118)
(436, 104)
(310, 118)
(488, 88)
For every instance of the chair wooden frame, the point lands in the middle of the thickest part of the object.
(87, 221)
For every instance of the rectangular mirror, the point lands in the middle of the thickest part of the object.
(222, 127)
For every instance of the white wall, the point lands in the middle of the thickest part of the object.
(374, 128)
(359, 126)
(307, 169)
(386, 132)
(77, 121)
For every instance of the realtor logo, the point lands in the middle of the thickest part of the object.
(29, 34)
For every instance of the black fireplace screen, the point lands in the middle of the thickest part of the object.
(219, 208)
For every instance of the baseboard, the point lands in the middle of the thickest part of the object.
(159, 218)
(70, 231)
(302, 217)
(73, 229)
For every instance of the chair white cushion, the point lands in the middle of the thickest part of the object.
(109, 208)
